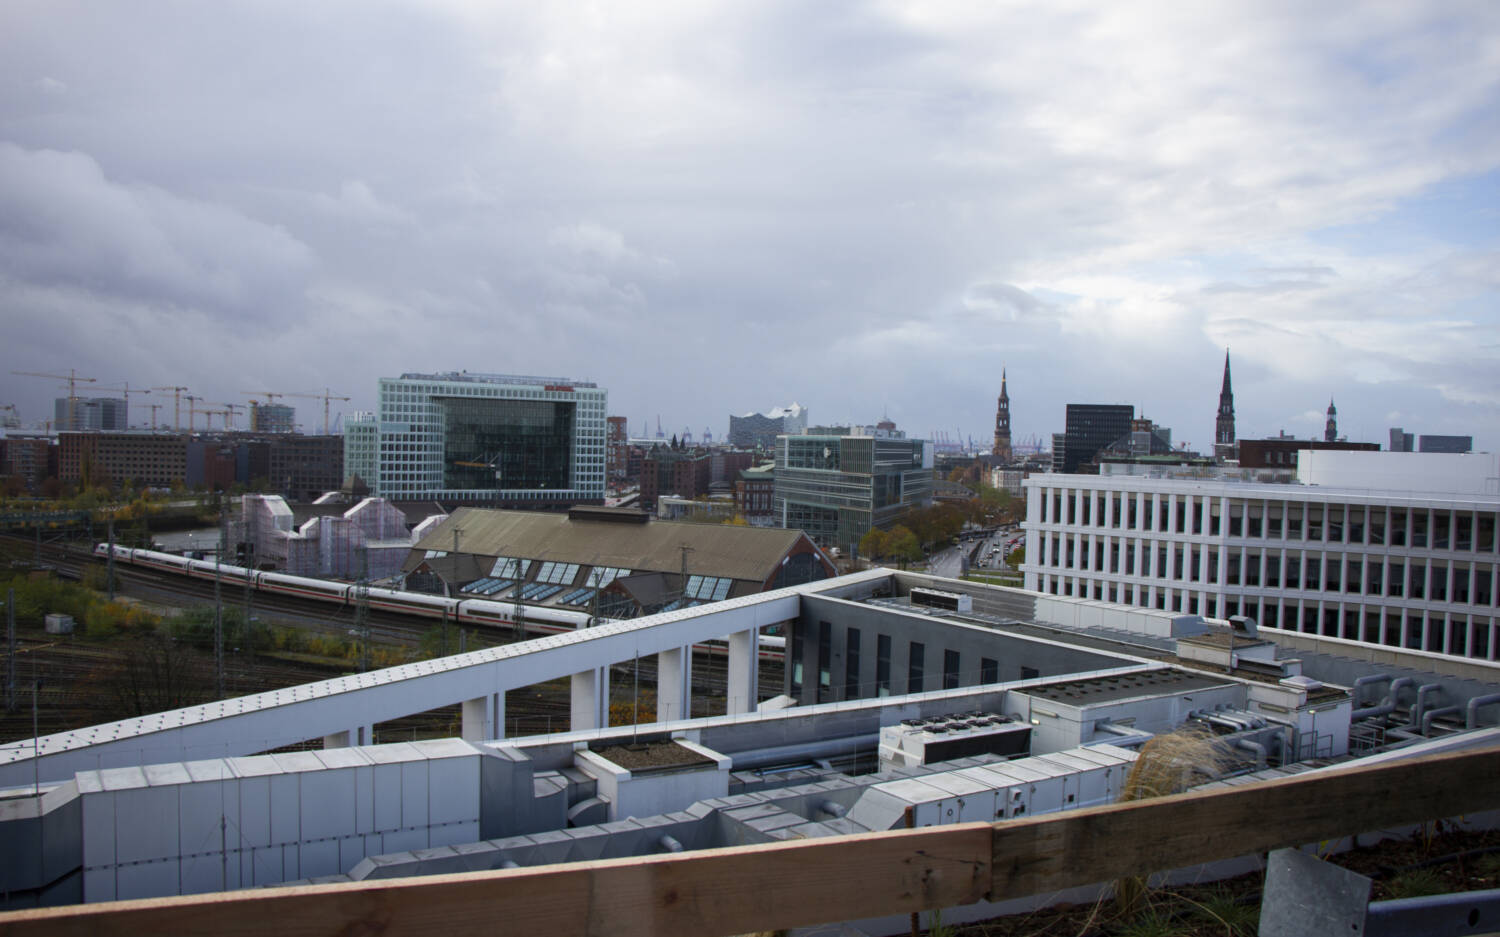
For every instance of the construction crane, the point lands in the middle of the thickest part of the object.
(229, 409)
(154, 407)
(191, 399)
(326, 396)
(210, 413)
(73, 381)
(176, 405)
(124, 388)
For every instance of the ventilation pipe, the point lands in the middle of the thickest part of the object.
(805, 752)
(1288, 745)
(669, 843)
(1254, 747)
(1387, 705)
(1418, 707)
(1473, 709)
(1432, 714)
(1366, 680)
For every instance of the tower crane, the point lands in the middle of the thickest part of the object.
(73, 381)
(229, 414)
(326, 396)
(191, 399)
(176, 405)
(154, 407)
(124, 388)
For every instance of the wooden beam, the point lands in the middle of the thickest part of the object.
(1101, 844)
(731, 891)
(714, 891)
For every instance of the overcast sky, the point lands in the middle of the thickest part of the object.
(713, 208)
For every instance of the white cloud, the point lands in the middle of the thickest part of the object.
(851, 204)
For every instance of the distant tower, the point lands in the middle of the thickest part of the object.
(1224, 445)
(1331, 429)
(1002, 450)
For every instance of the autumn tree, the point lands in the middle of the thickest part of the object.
(875, 543)
(903, 545)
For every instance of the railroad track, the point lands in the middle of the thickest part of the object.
(70, 674)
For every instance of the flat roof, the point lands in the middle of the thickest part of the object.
(1122, 686)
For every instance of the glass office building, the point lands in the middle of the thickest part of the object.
(490, 439)
(837, 487)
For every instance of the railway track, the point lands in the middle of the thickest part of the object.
(74, 692)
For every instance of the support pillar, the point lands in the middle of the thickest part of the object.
(744, 671)
(590, 709)
(484, 718)
(674, 684)
(352, 736)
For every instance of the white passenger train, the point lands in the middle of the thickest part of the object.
(461, 609)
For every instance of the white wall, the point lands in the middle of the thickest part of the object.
(1472, 473)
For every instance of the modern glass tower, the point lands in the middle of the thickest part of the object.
(491, 439)
(835, 488)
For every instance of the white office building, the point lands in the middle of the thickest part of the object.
(491, 439)
(1395, 549)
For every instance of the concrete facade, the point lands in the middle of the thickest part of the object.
(1408, 570)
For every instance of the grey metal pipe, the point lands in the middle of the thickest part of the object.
(1414, 721)
(1387, 705)
(1432, 714)
(669, 843)
(805, 751)
(1258, 749)
(1473, 708)
(833, 808)
(1366, 680)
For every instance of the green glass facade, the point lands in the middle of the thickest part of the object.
(837, 487)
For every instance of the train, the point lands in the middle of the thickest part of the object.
(462, 610)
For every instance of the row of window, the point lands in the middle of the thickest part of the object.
(1394, 576)
(1439, 632)
(952, 675)
(1377, 525)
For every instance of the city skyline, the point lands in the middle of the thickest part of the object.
(865, 209)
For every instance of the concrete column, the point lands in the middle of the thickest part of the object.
(484, 718)
(354, 735)
(744, 670)
(590, 708)
(674, 683)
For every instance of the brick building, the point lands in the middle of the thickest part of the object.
(686, 473)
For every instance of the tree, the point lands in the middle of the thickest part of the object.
(875, 544)
(903, 545)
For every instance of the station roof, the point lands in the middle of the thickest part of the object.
(591, 539)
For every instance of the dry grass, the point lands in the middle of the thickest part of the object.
(1168, 764)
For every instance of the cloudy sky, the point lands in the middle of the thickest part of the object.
(714, 208)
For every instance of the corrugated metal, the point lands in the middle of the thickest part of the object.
(749, 553)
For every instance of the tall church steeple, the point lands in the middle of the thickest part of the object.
(1224, 445)
(1002, 451)
(1331, 428)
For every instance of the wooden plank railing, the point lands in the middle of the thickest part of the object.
(732, 891)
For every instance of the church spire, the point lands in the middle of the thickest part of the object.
(1002, 450)
(1224, 424)
(1331, 428)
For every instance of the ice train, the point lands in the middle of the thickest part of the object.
(459, 609)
